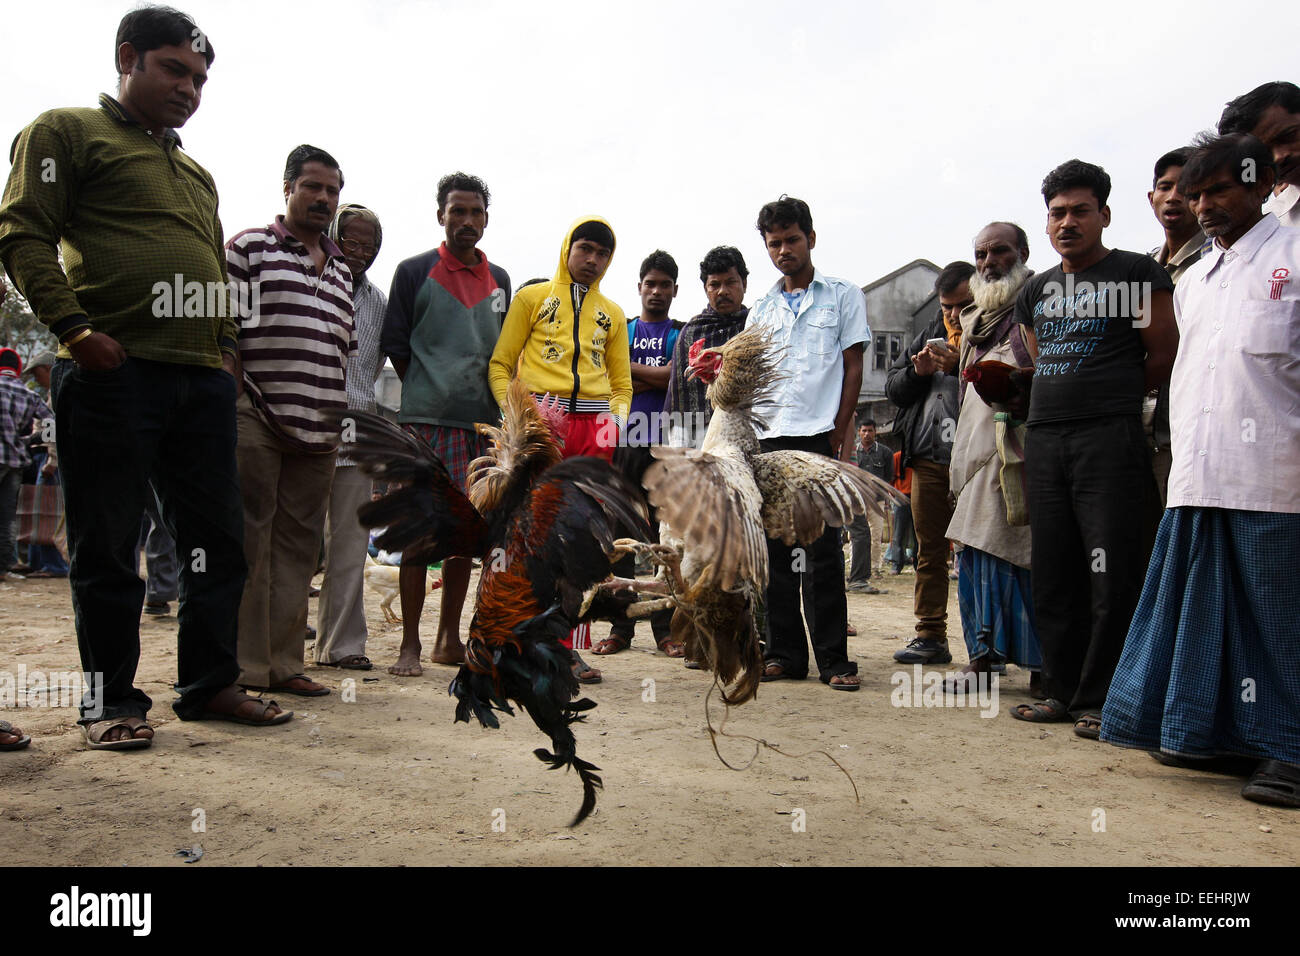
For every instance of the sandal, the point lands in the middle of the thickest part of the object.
(301, 686)
(672, 648)
(353, 662)
(843, 683)
(774, 671)
(584, 673)
(612, 645)
(1088, 727)
(239, 698)
(12, 731)
(1050, 711)
(96, 732)
(1276, 783)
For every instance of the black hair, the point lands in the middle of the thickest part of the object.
(536, 281)
(596, 232)
(1076, 174)
(662, 261)
(1175, 157)
(1240, 153)
(953, 275)
(722, 259)
(784, 212)
(149, 28)
(461, 182)
(869, 421)
(1242, 114)
(300, 156)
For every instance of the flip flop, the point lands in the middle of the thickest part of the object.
(581, 667)
(1088, 727)
(95, 734)
(1276, 783)
(1049, 711)
(673, 649)
(848, 687)
(235, 718)
(611, 645)
(300, 685)
(353, 662)
(19, 744)
(779, 675)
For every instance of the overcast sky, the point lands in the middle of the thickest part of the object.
(905, 126)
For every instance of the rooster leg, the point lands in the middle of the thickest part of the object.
(664, 555)
(646, 608)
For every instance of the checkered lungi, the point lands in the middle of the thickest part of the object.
(455, 447)
(1211, 664)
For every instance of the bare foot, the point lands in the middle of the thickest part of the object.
(448, 650)
(408, 665)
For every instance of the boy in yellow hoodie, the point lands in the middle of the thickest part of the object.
(568, 339)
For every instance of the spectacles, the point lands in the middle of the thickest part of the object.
(365, 248)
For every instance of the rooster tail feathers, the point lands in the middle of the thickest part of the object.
(522, 447)
(586, 771)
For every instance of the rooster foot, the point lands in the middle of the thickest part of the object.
(646, 608)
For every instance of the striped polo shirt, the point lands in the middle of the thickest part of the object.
(296, 339)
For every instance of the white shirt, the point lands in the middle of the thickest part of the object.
(1285, 205)
(1234, 401)
(832, 317)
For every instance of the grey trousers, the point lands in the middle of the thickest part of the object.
(162, 566)
(341, 625)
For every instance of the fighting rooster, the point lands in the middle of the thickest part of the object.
(1003, 387)
(544, 529)
(720, 503)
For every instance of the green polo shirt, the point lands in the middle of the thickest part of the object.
(136, 222)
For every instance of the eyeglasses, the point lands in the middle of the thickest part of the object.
(365, 248)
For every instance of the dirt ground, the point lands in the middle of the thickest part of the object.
(386, 778)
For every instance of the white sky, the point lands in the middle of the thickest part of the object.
(905, 126)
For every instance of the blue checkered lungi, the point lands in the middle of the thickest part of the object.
(997, 609)
(1211, 664)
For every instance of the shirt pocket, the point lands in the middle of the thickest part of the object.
(1267, 327)
(823, 331)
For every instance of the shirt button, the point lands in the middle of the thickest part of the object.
(1206, 409)
(1211, 365)
(1201, 452)
(1223, 285)
(1218, 326)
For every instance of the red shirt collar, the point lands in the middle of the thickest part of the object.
(446, 257)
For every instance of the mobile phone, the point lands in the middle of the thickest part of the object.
(939, 344)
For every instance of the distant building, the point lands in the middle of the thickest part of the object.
(899, 305)
(388, 392)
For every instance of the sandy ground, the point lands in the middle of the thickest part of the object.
(388, 779)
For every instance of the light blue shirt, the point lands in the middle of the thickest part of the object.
(832, 317)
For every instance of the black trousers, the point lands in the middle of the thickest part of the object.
(794, 576)
(117, 430)
(1090, 482)
(633, 462)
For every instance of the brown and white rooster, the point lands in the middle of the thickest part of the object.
(721, 502)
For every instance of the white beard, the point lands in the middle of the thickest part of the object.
(991, 296)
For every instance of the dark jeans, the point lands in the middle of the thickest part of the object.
(823, 575)
(1089, 483)
(118, 430)
(11, 482)
(633, 462)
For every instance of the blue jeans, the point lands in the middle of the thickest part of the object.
(46, 557)
(118, 430)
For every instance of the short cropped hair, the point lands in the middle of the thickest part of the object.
(1175, 157)
(1076, 174)
(953, 275)
(1241, 154)
(461, 182)
(659, 260)
(1242, 114)
(783, 213)
(300, 156)
(722, 259)
(149, 28)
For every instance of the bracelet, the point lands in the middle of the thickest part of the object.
(83, 334)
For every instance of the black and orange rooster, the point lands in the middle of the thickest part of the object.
(544, 530)
(1003, 387)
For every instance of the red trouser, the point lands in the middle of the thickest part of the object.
(594, 434)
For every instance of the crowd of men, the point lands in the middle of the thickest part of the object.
(1108, 510)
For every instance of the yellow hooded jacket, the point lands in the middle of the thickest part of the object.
(584, 362)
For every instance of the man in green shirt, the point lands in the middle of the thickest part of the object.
(143, 387)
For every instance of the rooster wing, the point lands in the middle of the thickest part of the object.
(803, 492)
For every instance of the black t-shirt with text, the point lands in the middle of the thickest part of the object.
(1090, 351)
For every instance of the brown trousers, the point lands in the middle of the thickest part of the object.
(931, 513)
(285, 493)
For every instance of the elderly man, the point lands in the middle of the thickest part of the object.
(136, 398)
(294, 352)
(341, 634)
(1271, 113)
(1209, 666)
(997, 611)
(922, 384)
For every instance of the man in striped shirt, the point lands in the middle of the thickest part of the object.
(294, 350)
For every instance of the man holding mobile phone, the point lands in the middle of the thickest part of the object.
(922, 382)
